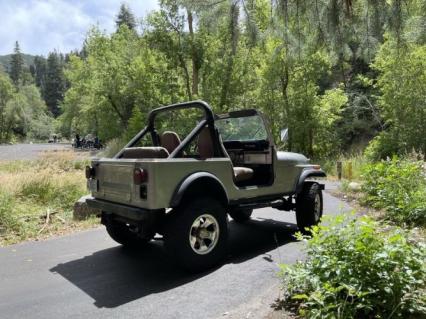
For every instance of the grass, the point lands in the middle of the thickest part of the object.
(351, 166)
(37, 197)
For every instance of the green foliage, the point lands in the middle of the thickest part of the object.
(45, 190)
(352, 165)
(54, 82)
(307, 66)
(399, 187)
(136, 123)
(125, 17)
(22, 112)
(114, 146)
(121, 73)
(402, 74)
(356, 269)
(327, 113)
(8, 221)
(16, 65)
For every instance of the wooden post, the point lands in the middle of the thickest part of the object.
(350, 171)
(339, 170)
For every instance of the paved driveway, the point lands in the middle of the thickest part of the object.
(87, 275)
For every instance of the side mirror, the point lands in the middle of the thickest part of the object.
(284, 135)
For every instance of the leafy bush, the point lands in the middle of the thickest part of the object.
(382, 146)
(8, 221)
(398, 187)
(354, 269)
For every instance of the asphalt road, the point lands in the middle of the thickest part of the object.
(87, 275)
(28, 151)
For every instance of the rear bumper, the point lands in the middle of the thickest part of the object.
(128, 212)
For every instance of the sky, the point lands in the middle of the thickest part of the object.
(41, 26)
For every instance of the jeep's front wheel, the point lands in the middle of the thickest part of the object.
(309, 206)
(196, 234)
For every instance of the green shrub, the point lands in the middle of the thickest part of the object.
(8, 220)
(38, 187)
(57, 190)
(399, 188)
(382, 146)
(355, 269)
(113, 147)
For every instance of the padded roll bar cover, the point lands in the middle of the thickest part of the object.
(145, 152)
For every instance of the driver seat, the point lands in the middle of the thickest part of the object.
(205, 149)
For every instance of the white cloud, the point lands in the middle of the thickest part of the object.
(41, 26)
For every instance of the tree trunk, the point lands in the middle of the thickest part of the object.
(233, 28)
(284, 85)
(194, 55)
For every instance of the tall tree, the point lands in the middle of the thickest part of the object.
(40, 72)
(54, 83)
(16, 65)
(125, 17)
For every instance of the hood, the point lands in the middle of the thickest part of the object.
(292, 158)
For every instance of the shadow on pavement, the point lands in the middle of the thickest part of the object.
(115, 276)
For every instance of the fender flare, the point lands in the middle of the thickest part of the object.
(306, 174)
(197, 177)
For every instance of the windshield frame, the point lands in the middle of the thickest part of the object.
(247, 113)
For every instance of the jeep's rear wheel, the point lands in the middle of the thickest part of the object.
(241, 215)
(125, 235)
(196, 234)
(309, 206)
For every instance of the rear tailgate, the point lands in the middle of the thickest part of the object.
(114, 181)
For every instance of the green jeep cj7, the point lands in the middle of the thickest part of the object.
(184, 190)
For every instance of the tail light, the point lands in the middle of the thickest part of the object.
(140, 176)
(90, 172)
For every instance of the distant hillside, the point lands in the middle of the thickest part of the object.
(5, 60)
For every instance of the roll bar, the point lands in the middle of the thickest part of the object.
(207, 121)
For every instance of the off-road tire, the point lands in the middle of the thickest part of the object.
(241, 215)
(124, 236)
(308, 210)
(179, 228)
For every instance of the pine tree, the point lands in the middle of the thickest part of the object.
(54, 83)
(40, 72)
(16, 65)
(125, 17)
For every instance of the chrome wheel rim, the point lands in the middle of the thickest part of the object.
(317, 207)
(204, 234)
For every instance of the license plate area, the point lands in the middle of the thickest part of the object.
(93, 185)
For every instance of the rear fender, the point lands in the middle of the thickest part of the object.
(199, 184)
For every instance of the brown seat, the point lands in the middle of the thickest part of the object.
(145, 152)
(242, 174)
(205, 150)
(170, 141)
